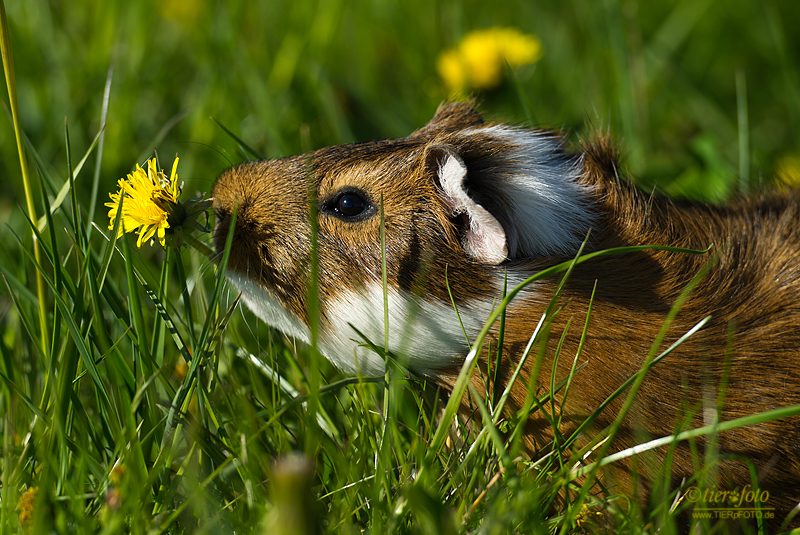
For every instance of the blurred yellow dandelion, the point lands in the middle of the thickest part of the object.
(25, 505)
(150, 199)
(479, 60)
(788, 171)
(117, 473)
(185, 13)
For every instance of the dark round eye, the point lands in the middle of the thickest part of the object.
(350, 205)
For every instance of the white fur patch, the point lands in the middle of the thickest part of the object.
(543, 207)
(427, 334)
(269, 308)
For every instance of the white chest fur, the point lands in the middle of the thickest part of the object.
(428, 335)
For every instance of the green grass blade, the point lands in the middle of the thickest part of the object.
(577, 353)
(28, 401)
(11, 84)
(494, 434)
(110, 245)
(244, 146)
(26, 322)
(522, 95)
(222, 267)
(67, 186)
(165, 317)
(186, 386)
(720, 427)
(186, 298)
(72, 326)
(76, 216)
(99, 157)
(53, 254)
(162, 134)
(157, 338)
(18, 286)
(135, 307)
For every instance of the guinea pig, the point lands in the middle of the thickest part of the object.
(470, 206)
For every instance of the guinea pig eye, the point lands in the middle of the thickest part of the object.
(350, 205)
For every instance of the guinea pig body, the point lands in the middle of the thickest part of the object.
(468, 206)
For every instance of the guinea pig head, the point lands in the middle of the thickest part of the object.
(456, 197)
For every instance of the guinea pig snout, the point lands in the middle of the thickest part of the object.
(223, 217)
(255, 233)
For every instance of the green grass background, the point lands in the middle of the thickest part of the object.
(703, 97)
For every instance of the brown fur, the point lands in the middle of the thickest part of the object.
(751, 293)
(751, 289)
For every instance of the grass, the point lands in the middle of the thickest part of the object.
(136, 394)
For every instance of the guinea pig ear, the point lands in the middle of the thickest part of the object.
(484, 237)
(450, 117)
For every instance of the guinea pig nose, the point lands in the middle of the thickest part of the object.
(222, 216)
(221, 213)
(222, 221)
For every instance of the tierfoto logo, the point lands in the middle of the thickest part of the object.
(746, 502)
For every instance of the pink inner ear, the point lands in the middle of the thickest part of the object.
(485, 238)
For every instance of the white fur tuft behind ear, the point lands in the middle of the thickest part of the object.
(485, 238)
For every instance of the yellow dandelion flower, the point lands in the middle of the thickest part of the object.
(479, 60)
(585, 516)
(150, 199)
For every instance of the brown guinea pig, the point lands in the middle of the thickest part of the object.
(468, 204)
